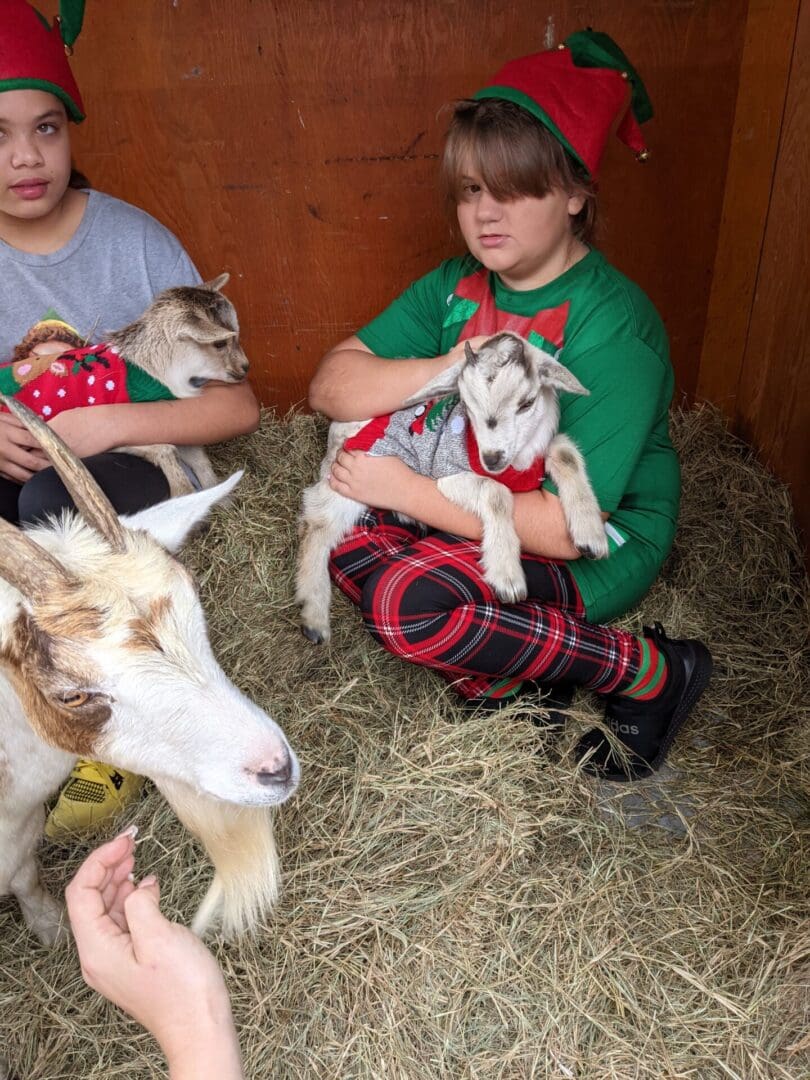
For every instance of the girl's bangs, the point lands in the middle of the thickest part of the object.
(509, 163)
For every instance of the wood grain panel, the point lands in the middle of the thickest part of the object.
(773, 407)
(295, 144)
(766, 59)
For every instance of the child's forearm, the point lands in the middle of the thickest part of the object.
(219, 413)
(352, 384)
(208, 1061)
(211, 1053)
(538, 518)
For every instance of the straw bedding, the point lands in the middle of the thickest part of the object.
(459, 901)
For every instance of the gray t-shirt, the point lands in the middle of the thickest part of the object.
(110, 270)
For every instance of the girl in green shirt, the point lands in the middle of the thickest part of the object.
(520, 164)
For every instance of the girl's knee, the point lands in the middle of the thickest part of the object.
(396, 603)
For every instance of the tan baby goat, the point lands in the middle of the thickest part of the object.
(188, 336)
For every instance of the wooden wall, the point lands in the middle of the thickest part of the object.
(295, 144)
(756, 353)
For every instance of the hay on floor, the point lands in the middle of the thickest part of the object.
(459, 901)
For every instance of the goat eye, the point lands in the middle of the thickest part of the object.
(524, 405)
(220, 344)
(73, 699)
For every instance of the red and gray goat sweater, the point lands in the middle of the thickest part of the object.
(436, 439)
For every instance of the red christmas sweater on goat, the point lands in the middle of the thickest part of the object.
(76, 378)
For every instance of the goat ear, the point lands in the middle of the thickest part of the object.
(217, 284)
(446, 382)
(171, 522)
(205, 331)
(552, 372)
(555, 374)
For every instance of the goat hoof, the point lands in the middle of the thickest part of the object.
(50, 925)
(511, 592)
(313, 635)
(589, 551)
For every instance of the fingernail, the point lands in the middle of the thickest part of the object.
(130, 830)
(150, 879)
(131, 877)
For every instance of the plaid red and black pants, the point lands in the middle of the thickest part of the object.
(423, 598)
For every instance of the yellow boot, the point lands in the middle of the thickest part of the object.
(93, 794)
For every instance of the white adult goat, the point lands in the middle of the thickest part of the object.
(104, 653)
(507, 393)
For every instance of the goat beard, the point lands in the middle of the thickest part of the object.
(240, 843)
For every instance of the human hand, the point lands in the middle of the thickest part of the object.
(20, 453)
(381, 482)
(155, 970)
(87, 431)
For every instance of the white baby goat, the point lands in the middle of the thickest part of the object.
(507, 393)
(104, 654)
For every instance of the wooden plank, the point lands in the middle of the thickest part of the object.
(773, 404)
(765, 66)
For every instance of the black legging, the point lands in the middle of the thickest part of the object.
(129, 482)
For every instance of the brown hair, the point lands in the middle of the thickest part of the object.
(78, 179)
(515, 155)
(46, 331)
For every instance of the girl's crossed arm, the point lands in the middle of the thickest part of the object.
(219, 413)
(353, 383)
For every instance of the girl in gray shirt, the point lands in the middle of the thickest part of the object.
(95, 263)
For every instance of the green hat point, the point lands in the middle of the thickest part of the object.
(589, 48)
(71, 17)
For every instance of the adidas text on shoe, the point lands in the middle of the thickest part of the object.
(647, 729)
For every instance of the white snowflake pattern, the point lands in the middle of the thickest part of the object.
(90, 380)
(110, 384)
(36, 393)
(61, 392)
(46, 410)
(91, 401)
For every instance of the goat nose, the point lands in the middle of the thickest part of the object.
(275, 771)
(493, 459)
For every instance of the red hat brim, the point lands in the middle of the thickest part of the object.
(32, 56)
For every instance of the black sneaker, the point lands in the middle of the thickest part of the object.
(554, 698)
(647, 729)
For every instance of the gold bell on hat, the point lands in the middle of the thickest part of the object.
(643, 155)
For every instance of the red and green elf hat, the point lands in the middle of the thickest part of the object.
(34, 54)
(579, 91)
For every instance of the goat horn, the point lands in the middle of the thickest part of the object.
(90, 500)
(31, 569)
